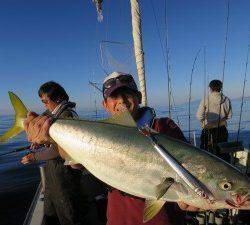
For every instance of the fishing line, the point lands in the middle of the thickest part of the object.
(17, 150)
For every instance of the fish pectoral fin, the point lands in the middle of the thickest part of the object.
(124, 118)
(179, 187)
(151, 208)
(162, 188)
(175, 191)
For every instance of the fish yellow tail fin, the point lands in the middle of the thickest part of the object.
(21, 113)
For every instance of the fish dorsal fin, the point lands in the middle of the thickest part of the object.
(124, 118)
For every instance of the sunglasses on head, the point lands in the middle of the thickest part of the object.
(124, 79)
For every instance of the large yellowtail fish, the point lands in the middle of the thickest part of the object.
(118, 154)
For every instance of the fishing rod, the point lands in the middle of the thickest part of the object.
(165, 56)
(168, 63)
(224, 66)
(190, 94)
(205, 73)
(17, 150)
(205, 82)
(243, 89)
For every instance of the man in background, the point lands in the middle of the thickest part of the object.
(213, 113)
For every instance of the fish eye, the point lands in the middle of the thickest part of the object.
(226, 186)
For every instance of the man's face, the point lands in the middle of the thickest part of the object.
(48, 103)
(116, 104)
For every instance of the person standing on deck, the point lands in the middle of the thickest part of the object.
(213, 113)
(119, 92)
(66, 199)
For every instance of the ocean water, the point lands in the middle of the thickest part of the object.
(18, 182)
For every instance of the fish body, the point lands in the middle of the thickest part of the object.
(123, 158)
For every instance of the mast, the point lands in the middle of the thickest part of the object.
(138, 49)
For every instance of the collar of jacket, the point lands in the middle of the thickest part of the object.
(146, 117)
(61, 107)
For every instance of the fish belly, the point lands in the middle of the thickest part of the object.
(123, 159)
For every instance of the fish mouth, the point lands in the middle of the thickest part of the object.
(239, 201)
(232, 204)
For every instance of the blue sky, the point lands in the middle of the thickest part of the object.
(60, 40)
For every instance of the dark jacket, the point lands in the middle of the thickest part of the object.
(69, 193)
(62, 184)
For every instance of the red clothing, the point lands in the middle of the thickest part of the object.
(126, 210)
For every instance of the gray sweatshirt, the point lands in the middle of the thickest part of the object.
(209, 110)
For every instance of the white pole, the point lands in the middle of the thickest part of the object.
(138, 49)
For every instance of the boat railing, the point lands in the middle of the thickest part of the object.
(35, 212)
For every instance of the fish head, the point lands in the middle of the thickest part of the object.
(239, 197)
(232, 191)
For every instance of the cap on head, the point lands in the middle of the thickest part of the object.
(215, 85)
(117, 80)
